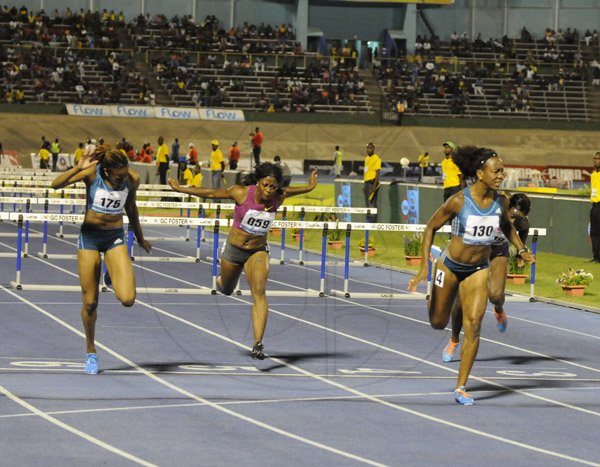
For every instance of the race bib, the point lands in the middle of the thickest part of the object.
(481, 230)
(109, 202)
(257, 222)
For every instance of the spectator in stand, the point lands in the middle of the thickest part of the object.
(257, 139)
(55, 150)
(192, 157)
(234, 156)
(400, 109)
(596, 76)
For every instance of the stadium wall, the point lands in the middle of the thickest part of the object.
(294, 140)
(565, 218)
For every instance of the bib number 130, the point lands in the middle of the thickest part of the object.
(482, 230)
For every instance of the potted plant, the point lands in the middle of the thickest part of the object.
(574, 282)
(296, 235)
(412, 249)
(334, 239)
(516, 268)
(371, 248)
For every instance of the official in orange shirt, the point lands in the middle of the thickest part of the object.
(234, 156)
(257, 139)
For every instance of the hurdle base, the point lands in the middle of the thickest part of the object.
(167, 239)
(139, 290)
(46, 287)
(327, 263)
(56, 234)
(56, 255)
(519, 298)
(164, 259)
(284, 293)
(383, 296)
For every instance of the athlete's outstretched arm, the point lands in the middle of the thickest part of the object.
(298, 190)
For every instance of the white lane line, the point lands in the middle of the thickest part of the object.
(441, 421)
(268, 401)
(485, 339)
(557, 328)
(192, 396)
(49, 418)
(391, 405)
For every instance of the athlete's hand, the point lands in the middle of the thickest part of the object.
(86, 160)
(528, 257)
(312, 181)
(145, 244)
(174, 184)
(417, 279)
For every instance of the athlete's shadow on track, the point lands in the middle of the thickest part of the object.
(523, 359)
(493, 392)
(294, 358)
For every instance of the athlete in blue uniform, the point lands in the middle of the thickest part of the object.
(462, 269)
(110, 188)
(519, 206)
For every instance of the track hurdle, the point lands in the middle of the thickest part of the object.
(270, 293)
(537, 232)
(19, 285)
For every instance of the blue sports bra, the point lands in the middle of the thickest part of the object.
(105, 200)
(477, 226)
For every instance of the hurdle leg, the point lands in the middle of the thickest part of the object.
(301, 242)
(323, 259)
(282, 257)
(17, 283)
(347, 264)
(215, 253)
(532, 280)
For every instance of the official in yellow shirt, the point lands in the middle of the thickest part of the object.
(595, 211)
(44, 156)
(217, 164)
(451, 174)
(162, 160)
(371, 178)
(193, 177)
(423, 164)
(78, 154)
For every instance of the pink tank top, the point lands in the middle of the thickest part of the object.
(252, 217)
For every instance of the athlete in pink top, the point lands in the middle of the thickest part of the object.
(246, 248)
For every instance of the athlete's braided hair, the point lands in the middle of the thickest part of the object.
(470, 159)
(109, 158)
(262, 170)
